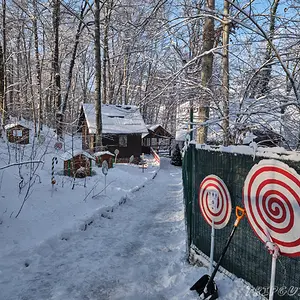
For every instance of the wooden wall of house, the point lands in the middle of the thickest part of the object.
(112, 142)
(134, 145)
(146, 149)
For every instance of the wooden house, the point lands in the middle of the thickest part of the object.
(157, 138)
(122, 129)
(17, 133)
(78, 163)
(102, 156)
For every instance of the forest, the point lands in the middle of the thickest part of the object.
(234, 64)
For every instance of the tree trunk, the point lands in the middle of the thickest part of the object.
(27, 80)
(260, 86)
(30, 84)
(206, 72)
(98, 142)
(38, 70)
(56, 69)
(19, 59)
(2, 92)
(72, 62)
(4, 77)
(125, 77)
(10, 84)
(105, 54)
(112, 97)
(225, 77)
(266, 73)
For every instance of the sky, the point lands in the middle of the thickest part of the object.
(127, 242)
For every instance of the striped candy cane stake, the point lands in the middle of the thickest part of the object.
(54, 160)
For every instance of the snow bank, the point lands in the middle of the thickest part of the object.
(253, 150)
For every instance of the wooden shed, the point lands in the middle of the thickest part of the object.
(17, 133)
(102, 156)
(78, 163)
(157, 138)
(122, 129)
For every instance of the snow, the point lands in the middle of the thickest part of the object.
(126, 242)
(182, 121)
(12, 125)
(116, 119)
(249, 138)
(254, 150)
(152, 126)
(69, 154)
(100, 153)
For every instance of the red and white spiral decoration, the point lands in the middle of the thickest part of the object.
(221, 211)
(271, 196)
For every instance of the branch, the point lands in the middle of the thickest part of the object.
(290, 77)
(173, 77)
(22, 163)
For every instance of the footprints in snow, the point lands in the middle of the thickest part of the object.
(104, 213)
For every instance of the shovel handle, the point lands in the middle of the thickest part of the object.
(240, 213)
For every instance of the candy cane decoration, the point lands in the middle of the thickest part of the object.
(155, 155)
(54, 160)
(271, 196)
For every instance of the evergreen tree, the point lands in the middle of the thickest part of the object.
(176, 157)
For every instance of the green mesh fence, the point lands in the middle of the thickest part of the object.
(246, 256)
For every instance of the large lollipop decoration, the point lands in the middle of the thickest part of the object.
(215, 206)
(217, 211)
(272, 201)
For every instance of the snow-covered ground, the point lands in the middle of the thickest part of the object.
(69, 244)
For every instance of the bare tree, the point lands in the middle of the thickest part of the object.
(108, 6)
(260, 85)
(98, 142)
(225, 77)
(3, 75)
(2, 90)
(83, 11)
(206, 72)
(38, 68)
(56, 68)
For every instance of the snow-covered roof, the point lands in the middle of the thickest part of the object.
(68, 155)
(12, 125)
(116, 119)
(100, 153)
(153, 127)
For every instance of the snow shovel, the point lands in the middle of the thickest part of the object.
(205, 286)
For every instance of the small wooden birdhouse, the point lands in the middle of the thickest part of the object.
(102, 156)
(78, 163)
(17, 133)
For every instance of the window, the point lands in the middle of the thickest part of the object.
(119, 117)
(17, 133)
(154, 142)
(122, 140)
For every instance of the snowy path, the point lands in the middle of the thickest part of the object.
(133, 253)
